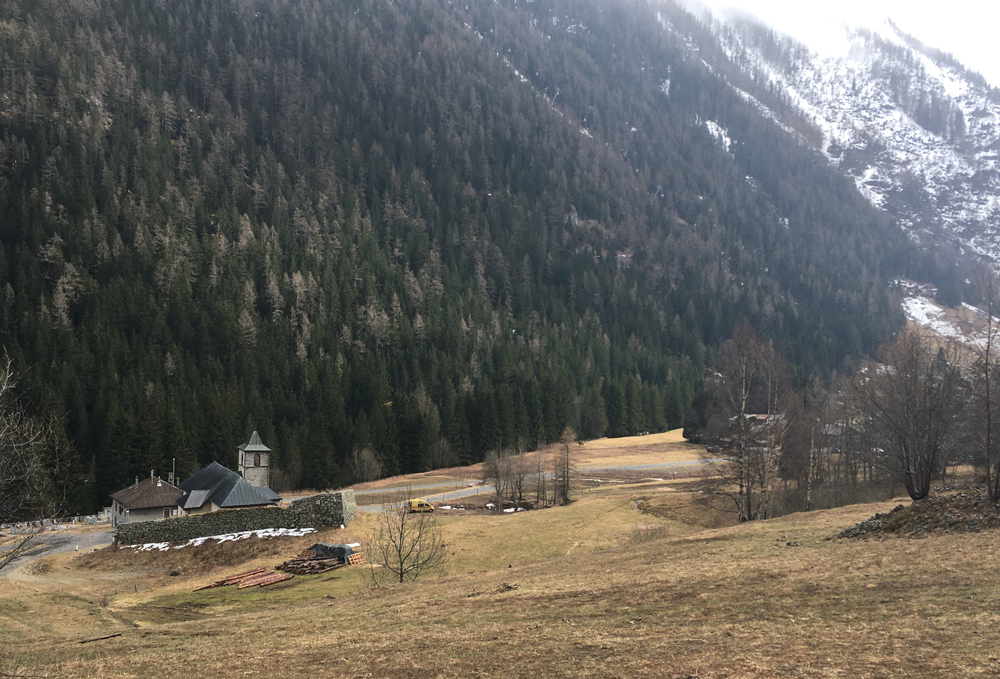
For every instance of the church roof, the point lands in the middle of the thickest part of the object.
(147, 494)
(225, 488)
(255, 445)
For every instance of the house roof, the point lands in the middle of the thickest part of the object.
(254, 445)
(147, 494)
(194, 499)
(225, 488)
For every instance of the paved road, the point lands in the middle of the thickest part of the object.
(446, 484)
(485, 489)
(57, 543)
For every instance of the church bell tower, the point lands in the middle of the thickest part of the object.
(255, 463)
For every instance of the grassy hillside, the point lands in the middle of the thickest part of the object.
(597, 588)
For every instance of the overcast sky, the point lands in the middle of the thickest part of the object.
(965, 28)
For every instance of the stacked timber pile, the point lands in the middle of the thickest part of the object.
(258, 577)
(307, 563)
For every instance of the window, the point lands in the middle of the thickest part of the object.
(256, 459)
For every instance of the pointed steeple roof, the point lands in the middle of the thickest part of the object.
(255, 445)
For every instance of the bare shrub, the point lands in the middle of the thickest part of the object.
(403, 545)
(646, 532)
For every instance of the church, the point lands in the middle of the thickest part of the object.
(210, 489)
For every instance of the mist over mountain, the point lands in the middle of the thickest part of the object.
(423, 228)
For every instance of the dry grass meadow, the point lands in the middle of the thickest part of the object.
(599, 588)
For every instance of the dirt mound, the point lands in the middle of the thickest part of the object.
(967, 511)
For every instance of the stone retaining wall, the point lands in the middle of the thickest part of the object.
(324, 509)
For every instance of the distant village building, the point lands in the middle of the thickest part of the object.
(215, 487)
(151, 499)
(212, 488)
(254, 462)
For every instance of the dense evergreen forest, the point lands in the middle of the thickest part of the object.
(421, 228)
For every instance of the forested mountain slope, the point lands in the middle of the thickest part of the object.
(425, 228)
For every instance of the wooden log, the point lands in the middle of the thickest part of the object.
(230, 580)
(233, 579)
(261, 581)
(106, 636)
(254, 579)
(302, 566)
(243, 574)
(275, 580)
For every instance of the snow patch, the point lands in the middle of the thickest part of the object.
(934, 317)
(720, 134)
(226, 537)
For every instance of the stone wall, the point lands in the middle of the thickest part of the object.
(324, 509)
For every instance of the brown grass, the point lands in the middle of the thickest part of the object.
(735, 602)
(667, 447)
(595, 589)
(662, 448)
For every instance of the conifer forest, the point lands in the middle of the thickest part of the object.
(424, 229)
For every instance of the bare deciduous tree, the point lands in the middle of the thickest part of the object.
(564, 465)
(404, 545)
(494, 474)
(541, 489)
(365, 465)
(909, 403)
(751, 394)
(507, 473)
(28, 451)
(980, 380)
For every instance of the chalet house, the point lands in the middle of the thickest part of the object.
(151, 499)
(215, 487)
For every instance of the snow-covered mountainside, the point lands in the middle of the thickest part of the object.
(918, 133)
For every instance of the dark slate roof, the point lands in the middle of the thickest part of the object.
(225, 488)
(194, 499)
(147, 494)
(255, 445)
